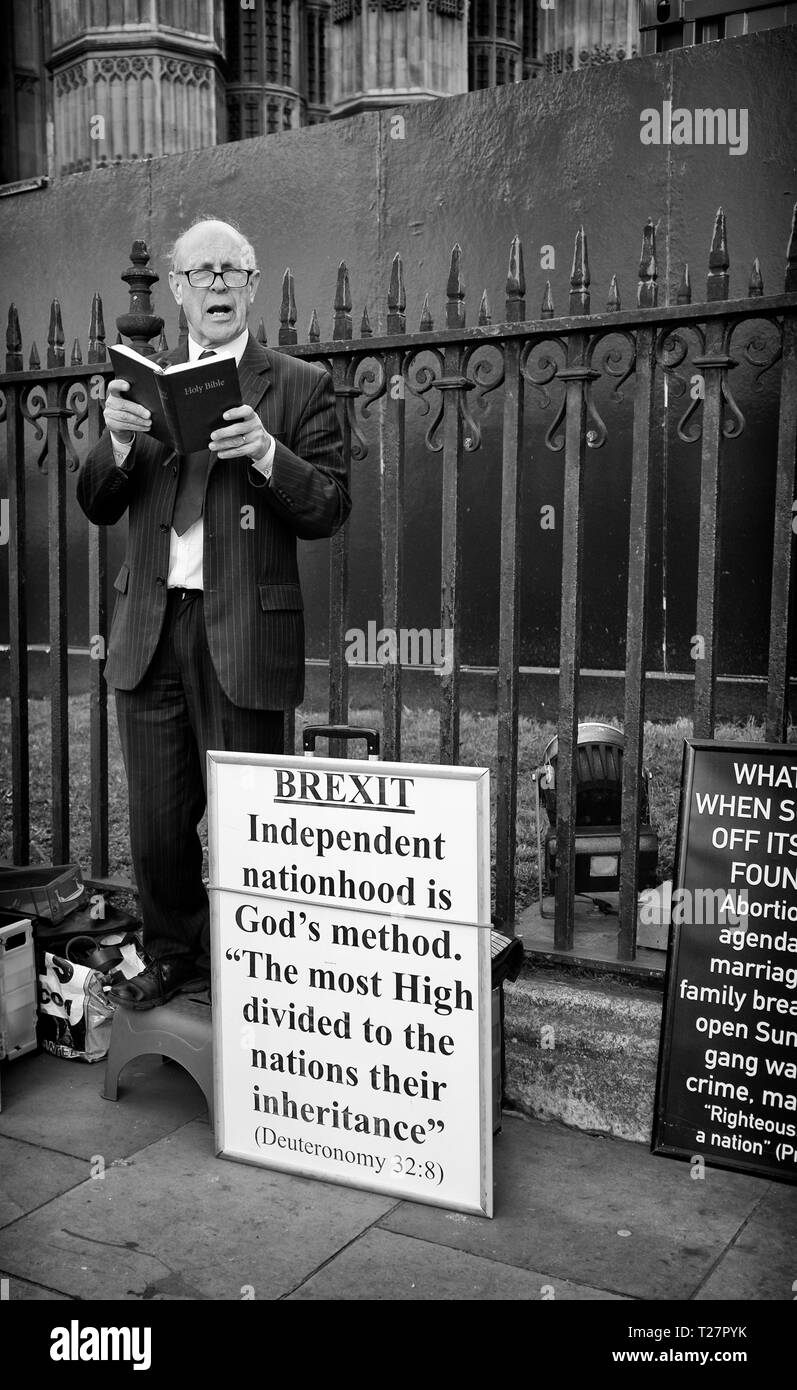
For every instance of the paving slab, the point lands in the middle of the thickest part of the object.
(23, 1291)
(599, 1211)
(175, 1222)
(762, 1262)
(57, 1104)
(382, 1266)
(31, 1176)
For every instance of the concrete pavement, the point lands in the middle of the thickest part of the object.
(127, 1201)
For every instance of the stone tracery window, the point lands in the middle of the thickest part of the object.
(286, 42)
(454, 8)
(316, 56)
(264, 47)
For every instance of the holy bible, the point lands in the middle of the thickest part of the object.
(187, 401)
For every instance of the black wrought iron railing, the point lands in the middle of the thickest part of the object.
(52, 412)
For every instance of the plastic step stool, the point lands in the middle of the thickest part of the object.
(180, 1031)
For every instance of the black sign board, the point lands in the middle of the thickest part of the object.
(727, 1083)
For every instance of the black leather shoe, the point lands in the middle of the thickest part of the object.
(202, 996)
(158, 983)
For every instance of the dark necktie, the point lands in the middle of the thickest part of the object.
(191, 487)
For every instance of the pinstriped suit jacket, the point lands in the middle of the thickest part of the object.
(253, 601)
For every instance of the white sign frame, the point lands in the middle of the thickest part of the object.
(478, 1198)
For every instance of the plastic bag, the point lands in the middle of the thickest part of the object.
(75, 1013)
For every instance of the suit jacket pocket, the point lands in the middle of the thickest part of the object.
(120, 582)
(279, 596)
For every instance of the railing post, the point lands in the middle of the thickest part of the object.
(287, 330)
(139, 324)
(451, 383)
(576, 376)
(508, 618)
(339, 544)
(56, 414)
(714, 365)
(98, 622)
(782, 600)
(287, 337)
(17, 598)
(392, 511)
(636, 624)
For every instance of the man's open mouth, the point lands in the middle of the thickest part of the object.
(218, 310)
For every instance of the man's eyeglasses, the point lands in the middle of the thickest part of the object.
(234, 278)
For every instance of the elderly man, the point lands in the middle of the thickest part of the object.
(207, 640)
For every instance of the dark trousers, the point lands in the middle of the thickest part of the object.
(166, 726)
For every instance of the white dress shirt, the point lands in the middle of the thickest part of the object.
(185, 552)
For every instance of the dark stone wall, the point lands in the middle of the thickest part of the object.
(537, 159)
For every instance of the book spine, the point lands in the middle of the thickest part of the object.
(170, 414)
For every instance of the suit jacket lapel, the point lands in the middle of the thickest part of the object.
(254, 373)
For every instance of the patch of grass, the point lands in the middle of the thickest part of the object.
(663, 750)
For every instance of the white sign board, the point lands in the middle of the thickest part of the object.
(404, 837)
(351, 973)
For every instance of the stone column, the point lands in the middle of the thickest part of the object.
(387, 53)
(265, 53)
(573, 35)
(129, 91)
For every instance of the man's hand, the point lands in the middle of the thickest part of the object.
(124, 418)
(245, 438)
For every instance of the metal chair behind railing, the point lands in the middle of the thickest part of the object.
(599, 785)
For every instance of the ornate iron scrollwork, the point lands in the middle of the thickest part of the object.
(619, 361)
(71, 411)
(547, 369)
(672, 350)
(487, 375)
(761, 350)
(733, 424)
(370, 383)
(32, 404)
(76, 400)
(420, 377)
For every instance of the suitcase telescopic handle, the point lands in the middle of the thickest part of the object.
(343, 731)
(70, 897)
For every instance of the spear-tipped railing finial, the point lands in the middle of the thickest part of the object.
(515, 284)
(718, 280)
(579, 275)
(342, 329)
(287, 329)
(455, 291)
(14, 360)
(647, 290)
